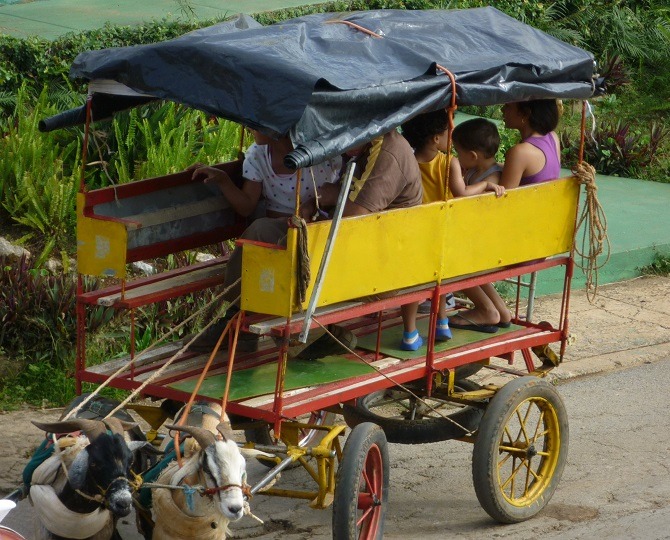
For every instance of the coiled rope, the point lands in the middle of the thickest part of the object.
(594, 242)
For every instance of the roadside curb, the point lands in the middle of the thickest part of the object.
(611, 362)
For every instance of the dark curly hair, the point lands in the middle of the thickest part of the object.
(419, 130)
(479, 135)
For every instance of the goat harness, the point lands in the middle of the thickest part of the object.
(51, 512)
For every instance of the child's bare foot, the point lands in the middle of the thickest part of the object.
(505, 319)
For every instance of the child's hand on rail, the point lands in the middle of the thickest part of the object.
(210, 175)
(496, 188)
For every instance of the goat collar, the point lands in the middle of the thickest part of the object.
(245, 488)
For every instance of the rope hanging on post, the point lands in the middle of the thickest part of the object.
(302, 269)
(595, 241)
(450, 115)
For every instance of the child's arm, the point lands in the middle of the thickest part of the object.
(459, 189)
(456, 182)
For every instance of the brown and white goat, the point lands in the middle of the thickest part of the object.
(85, 503)
(213, 461)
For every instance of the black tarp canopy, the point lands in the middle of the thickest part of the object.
(330, 85)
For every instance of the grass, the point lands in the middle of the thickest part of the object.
(43, 385)
(659, 267)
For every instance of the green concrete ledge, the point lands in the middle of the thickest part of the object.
(638, 227)
(50, 19)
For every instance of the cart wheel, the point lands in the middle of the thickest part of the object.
(361, 487)
(309, 437)
(520, 450)
(406, 420)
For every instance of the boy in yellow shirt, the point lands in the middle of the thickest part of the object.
(427, 134)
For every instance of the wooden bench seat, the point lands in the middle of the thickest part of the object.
(117, 225)
(160, 287)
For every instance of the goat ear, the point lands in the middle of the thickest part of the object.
(78, 470)
(144, 446)
(225, 430)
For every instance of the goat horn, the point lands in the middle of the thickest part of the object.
(203, 437)
(91, 428)
(118, 426)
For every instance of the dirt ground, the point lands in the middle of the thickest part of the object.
(628, 325)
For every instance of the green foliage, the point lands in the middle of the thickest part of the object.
(618, 148)
(37, 313)
(659, 267)
(39, 62)
(43, 385)
(156, 140)
(38, 176)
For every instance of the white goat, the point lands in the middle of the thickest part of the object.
(216, 464)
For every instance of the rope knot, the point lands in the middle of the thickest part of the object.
(302, 269)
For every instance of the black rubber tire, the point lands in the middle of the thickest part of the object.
(541, 447)
(363, 470)
(263, 435)
(415, 431)
(468, 370)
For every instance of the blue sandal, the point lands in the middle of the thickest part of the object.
(411, 341)
(442, 330)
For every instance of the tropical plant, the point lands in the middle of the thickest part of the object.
(37, 313)
(618, 148)
(38, 182)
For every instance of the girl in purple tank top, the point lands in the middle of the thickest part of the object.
(537, 157)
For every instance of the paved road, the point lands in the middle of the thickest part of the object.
(615, 484)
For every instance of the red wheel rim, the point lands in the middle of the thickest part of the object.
(370, 494)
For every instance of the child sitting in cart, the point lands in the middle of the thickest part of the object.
(535, 159)
(476, 142)
(428, 134)
(266, 176)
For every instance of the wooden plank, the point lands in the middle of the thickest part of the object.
(178, 366)
(165, 284)
(181, 211)
(164, 351)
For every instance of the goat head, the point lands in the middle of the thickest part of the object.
(223, 468)
(101, 469)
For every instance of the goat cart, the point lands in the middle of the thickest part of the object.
(334, 82)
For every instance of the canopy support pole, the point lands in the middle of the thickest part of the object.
(325, 259)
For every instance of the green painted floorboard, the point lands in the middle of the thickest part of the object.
(260, 380)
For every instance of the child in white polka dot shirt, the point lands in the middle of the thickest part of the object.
(265, 174)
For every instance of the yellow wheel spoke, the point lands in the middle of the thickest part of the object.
(540, 422)
(515, 470)
(529, 471)
(522, 430)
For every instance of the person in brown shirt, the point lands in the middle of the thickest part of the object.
(386, 176)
